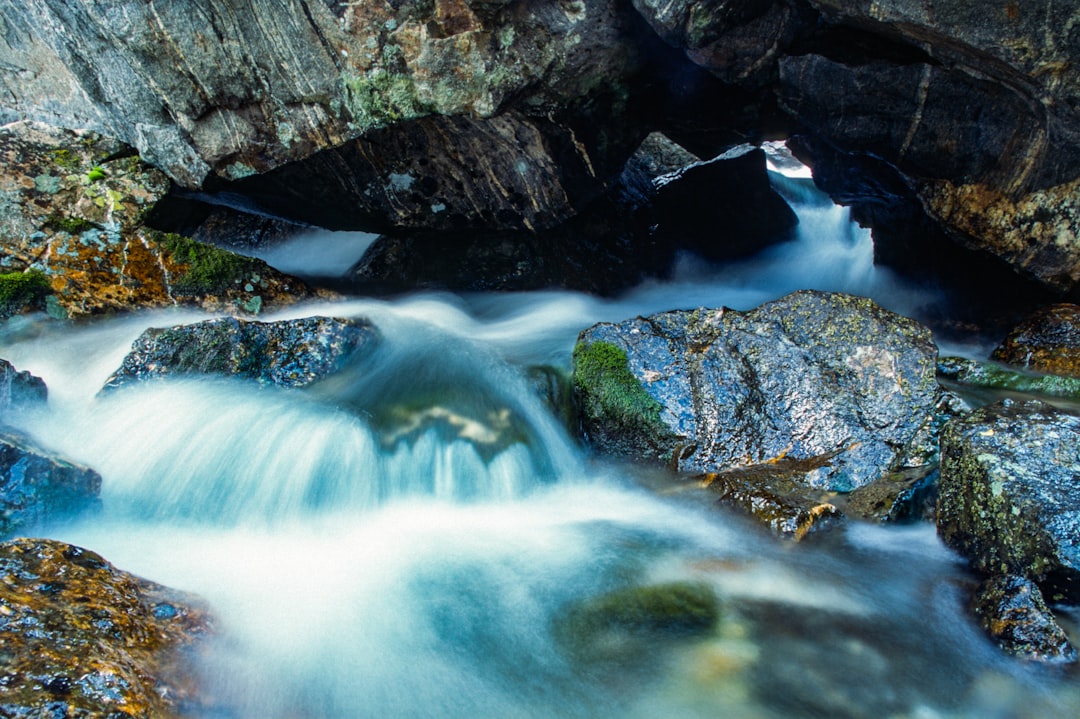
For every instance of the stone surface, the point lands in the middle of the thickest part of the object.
(722, 209)
(904, 496)
(776, 496)
(967, 373)
(37, 485)
(1010, 500)
(811, 375)
(1012, 611)
(80, 638)
(18, 389)
(233, 89)
(1048, 341)
(72, 210)
(286, 353)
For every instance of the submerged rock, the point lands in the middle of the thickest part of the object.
(606, 627)
(37, 485)
(1009, 495)
(1012, 611)
(80, 638)
(1048, 341)
(988, 375)
(73, 237)
(776, 496)
(18, 389)
(811, 375)
(287, 353)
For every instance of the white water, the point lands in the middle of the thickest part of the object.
(372, 548)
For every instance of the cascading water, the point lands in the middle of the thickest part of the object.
(403, 539)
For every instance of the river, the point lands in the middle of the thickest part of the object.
(404, 539)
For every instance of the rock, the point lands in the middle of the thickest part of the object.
(1009, 494)
(555, 389)
(965, 372)
(240, 89)
(811, 375)
(722, 209)
(1012, 611)
(902, 496)
(18, 389)
(736, 40)
(776, 496)
(606, 627)
(1048, 341)
(975, 107)
(37, 485)
(72, 234)
(286, 353)
(80, 638)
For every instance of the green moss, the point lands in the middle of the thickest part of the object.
(66, 159)
(71, 225)
(602, 375)
(96, 174)
(992, 376)
(19, 289)
(382, 98)
(209, 269)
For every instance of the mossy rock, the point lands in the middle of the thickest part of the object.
(19, 290)
(987, 375)
(608, 627)
(209, 269)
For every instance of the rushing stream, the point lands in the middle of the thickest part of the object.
(404, 539)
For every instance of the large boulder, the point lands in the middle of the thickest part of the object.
(975, 105)
(73, 238)
(236, 89)
(81, 638)
(1047, 341)
(37, 485)
(1009, 497)
(811, 375)
(286, 353)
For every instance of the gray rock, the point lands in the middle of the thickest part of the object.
(287, 353)
(1012, 611)
(810, 375)
(19, 389)
(1009, 496)
(37, 485)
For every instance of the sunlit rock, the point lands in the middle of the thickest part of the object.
(1048, 341)
(287, 353)
(1009, 493)
(73, 238)
(811, 375)
(1012, 611)
(79, 637)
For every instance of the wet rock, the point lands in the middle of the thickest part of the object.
(902, 496)
(811, 375)
(554, 387)
(287, 353)
(988, 375)
(18, 389)
(80, 638)
(73, 240)
(1048, 341)
(722, 209)
(37, 485)
(776, 496)
(1009, 494)
(607, 627)
(1012, 611)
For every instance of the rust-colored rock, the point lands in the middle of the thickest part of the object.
(72, 206)
(79, 637)
(1048, 341)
